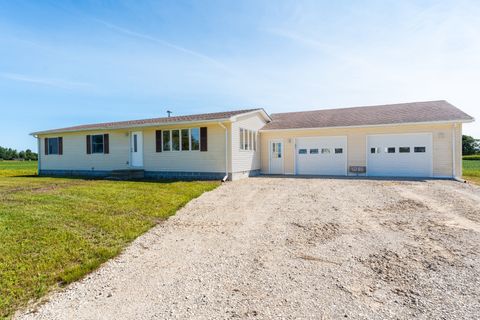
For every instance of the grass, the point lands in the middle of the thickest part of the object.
(471, 171)
(55, 230)
(17, 168)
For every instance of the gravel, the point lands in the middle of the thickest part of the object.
(295, 248)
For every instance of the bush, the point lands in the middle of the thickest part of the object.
(472, 157)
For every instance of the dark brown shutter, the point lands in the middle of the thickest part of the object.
(60, 145)
(158, 140)
(203, 139)
(106, 144)
(89, 144)
(46, 146)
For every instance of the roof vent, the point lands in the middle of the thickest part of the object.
(169, 113)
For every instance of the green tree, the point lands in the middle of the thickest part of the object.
(470, 145)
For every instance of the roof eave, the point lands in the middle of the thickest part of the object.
(160, 124)
(374, 125)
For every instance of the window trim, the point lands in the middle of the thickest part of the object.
(415, 149)
(248, 140)
(169, 133)
(404, 150)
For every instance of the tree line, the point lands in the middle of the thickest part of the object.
(470, 145)
(12, 154)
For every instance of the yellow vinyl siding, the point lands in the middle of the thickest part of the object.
(212, 160)
(356, 144)
(75, 155)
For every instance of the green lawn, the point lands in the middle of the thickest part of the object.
(471, 170)
(55, 230)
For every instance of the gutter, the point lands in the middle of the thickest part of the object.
(226, 151)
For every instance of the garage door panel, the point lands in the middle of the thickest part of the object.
(318, 155)
(416, 161)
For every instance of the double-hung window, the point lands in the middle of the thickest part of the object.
(195, 139)
(97, 143)
(185, 140)
(53, 146)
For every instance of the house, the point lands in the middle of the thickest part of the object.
(420, 139)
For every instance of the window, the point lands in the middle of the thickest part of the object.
(135, 143)
(250, 139)
(241, 139)
(245, 139)
(313, 151)
(97, 143)
(254, 140)
(325, 150)
(404, 149)
(181, 139)
(53, 146)
(302, 151)
(175, 140)
(166, 140)
(195, 139)
(276, 150)
(338, 150)
(185, 140)
(419, 149)
(390, 150)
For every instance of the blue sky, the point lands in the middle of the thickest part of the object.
(64, 63)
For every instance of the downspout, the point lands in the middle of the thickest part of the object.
(454, 174)
(226, 151)
(454, 156)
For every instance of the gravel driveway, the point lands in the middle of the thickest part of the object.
(296, 248)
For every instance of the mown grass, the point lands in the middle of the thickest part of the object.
(471, 171)
(55, 230)
(17, 168)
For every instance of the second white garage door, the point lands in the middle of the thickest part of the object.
(400, 155)
(321, 156)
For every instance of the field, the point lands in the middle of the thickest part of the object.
(471, 170)
(55, 230)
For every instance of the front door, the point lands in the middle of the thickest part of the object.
(136, 149)
(276, 156)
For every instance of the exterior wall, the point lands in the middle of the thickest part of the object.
(212, 160)
(357, 139)
(246, 162)
(75, 156)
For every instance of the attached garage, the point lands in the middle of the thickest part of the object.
(321, 156)
(400, 155)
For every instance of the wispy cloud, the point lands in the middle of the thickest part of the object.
(162, 42)
(58, 83)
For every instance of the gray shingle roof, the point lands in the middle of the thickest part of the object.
(428, 111)
(150, 122)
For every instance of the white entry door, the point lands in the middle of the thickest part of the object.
(136, 149)
(276, 156)
(400, 155)
(321, 155)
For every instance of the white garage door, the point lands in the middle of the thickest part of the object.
(321, 155)
(401, 155)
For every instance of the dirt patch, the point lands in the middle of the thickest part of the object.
(314, 233)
